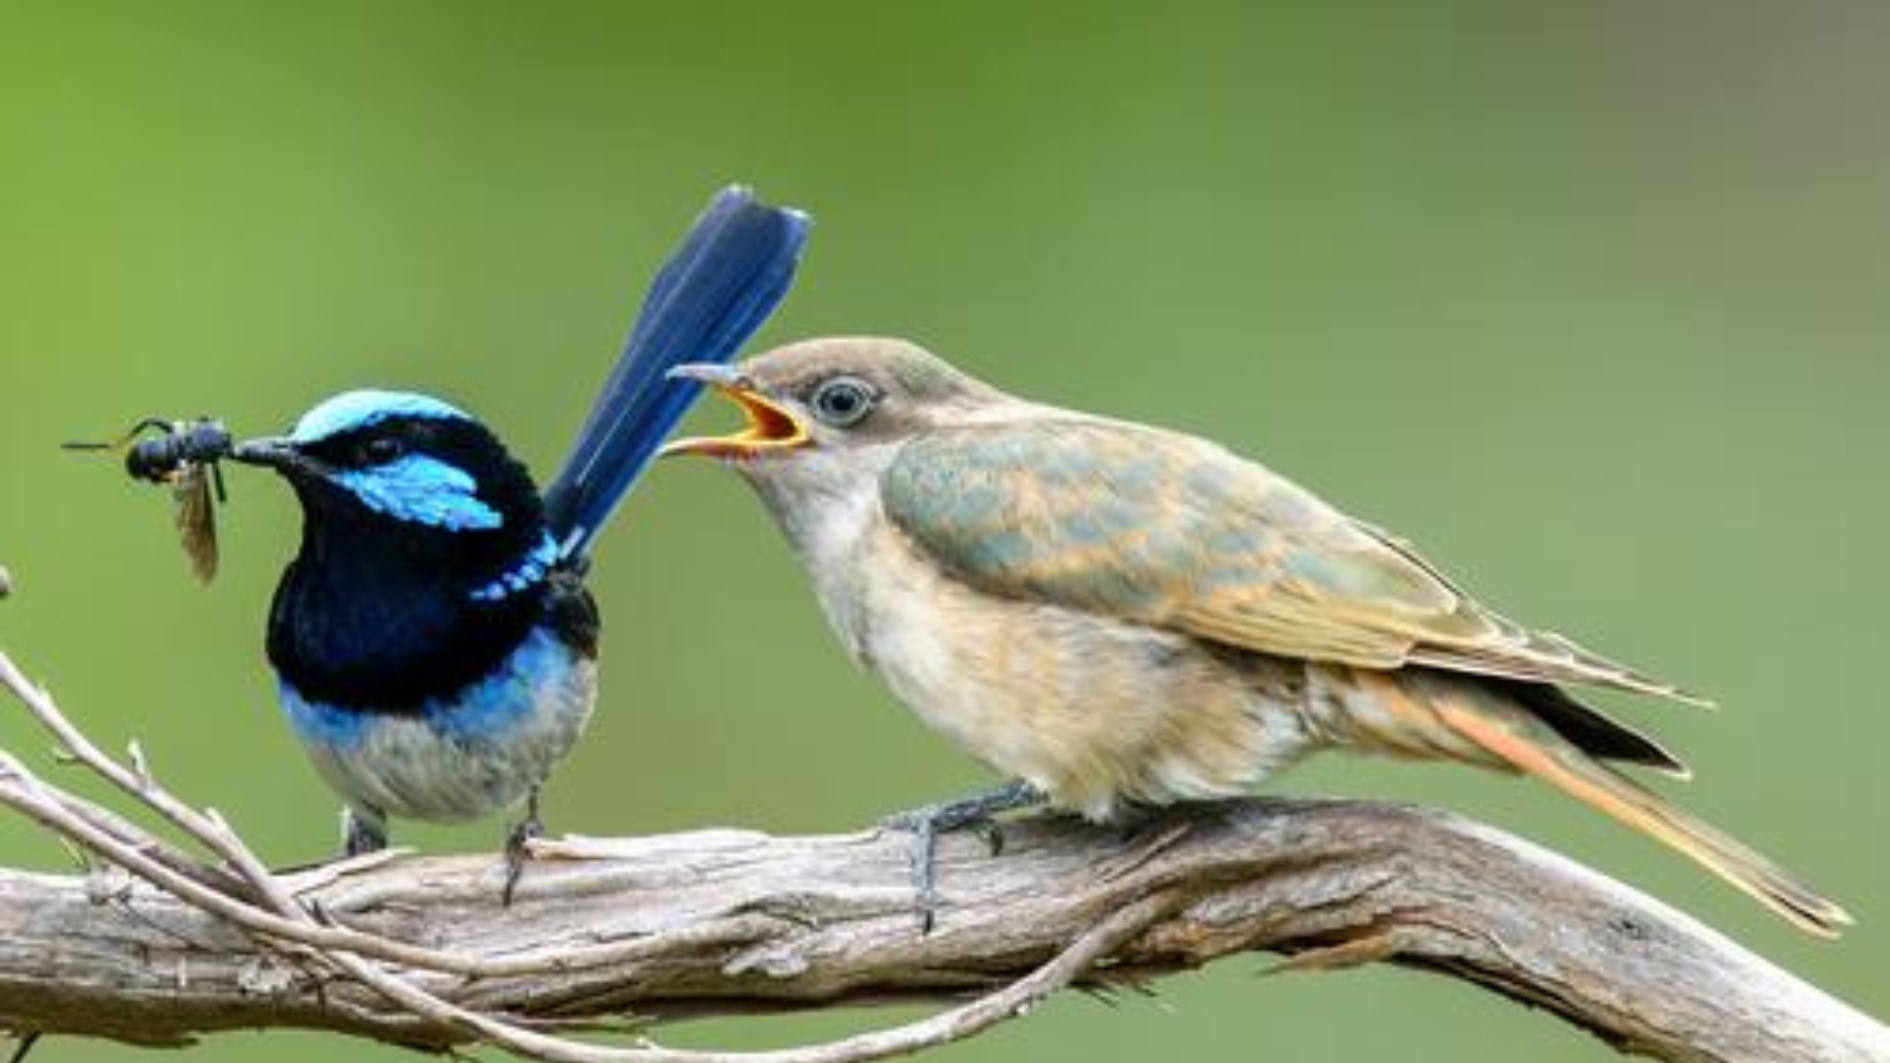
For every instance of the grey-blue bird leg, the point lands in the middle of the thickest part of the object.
(518, 846)
(363, 830)
(972, 812)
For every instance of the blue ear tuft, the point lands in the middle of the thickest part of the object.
(419, 489)
(359, 409)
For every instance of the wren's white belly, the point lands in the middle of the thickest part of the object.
(456, 761)
(1092, 710)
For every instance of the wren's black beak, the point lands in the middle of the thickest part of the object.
(274, 452)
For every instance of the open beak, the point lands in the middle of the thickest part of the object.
(770, 427)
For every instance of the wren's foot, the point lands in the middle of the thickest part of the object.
(973, 812)
(518, 846)
(363, 830)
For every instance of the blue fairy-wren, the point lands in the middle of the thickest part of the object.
(433, 640)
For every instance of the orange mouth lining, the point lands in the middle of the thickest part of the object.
(769, 427)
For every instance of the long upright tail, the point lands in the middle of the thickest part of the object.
(1501, 727)
(713, 293)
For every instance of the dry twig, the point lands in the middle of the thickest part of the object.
(418, 952)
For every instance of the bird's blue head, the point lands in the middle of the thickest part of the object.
(400, 461)
(424, 549)
(381, 471)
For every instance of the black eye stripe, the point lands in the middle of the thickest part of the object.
(461, 443)
(382, 449)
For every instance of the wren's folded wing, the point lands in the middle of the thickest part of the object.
(727, 277)
(1177, 532)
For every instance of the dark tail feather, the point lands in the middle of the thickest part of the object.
(1589, 730)
(712, 294)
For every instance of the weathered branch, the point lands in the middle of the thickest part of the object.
(606, 934)
(725, 921)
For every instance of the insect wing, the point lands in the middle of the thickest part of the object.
(196, 519)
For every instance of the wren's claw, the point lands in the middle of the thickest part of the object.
(976, 812)
(518, 847)
(363, 830)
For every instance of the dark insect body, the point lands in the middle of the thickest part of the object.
(183, 454)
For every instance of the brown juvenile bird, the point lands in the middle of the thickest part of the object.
(1119, 615)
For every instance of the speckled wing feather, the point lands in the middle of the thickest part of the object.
(1177, 532)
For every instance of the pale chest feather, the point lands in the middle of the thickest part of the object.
(456, 760)
(1091, 709)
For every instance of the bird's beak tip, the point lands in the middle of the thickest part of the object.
(704, 373)
(272, 452)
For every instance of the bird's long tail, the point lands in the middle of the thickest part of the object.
(1528, 745)
(1466, 719)
(714, 292)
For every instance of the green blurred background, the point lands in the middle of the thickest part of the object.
(1587, 298)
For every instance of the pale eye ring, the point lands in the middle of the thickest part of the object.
(382, 449)
(843, 401)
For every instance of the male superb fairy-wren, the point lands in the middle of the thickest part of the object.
(434, 643)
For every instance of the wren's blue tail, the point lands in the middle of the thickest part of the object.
(713, 294)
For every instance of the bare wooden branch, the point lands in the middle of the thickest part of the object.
(264, 906)
(730, 922)
(157, 947)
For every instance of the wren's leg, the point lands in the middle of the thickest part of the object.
(973, 812)
(517, 843)
(363, 830)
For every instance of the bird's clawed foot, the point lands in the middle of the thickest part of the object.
(363, 834)
(363, 831)
(518, 847)
(975, 812)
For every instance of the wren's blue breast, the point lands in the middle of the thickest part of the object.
(433, 640)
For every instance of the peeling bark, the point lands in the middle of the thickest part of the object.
(729, 922)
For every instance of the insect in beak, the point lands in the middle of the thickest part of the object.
(183, 454)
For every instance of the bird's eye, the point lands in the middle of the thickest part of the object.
(843, 401)
(381, 450)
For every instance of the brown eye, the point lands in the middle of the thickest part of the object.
(381, 450)
(843, 401)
